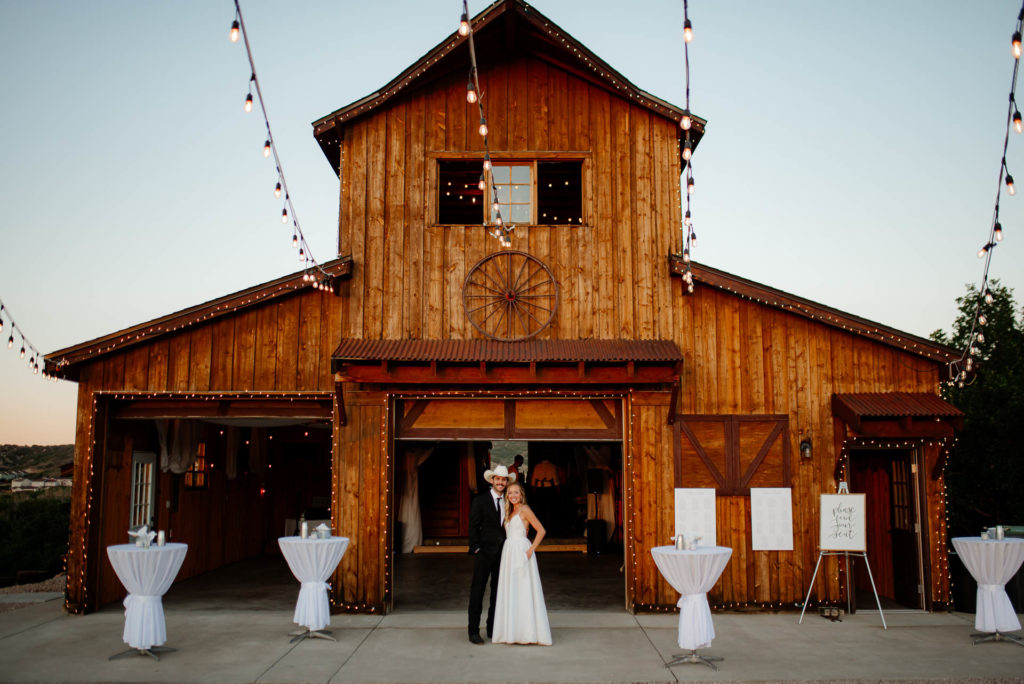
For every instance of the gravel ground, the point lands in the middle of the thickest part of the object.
(54, 584)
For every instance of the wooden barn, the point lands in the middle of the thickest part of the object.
(580, 345)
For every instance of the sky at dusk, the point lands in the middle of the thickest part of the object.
(851, 154)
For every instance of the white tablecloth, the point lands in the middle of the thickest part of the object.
(992, 563)
(692, 574)
(147, 574)
(312, 561)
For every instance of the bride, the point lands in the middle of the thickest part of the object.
(520, 616)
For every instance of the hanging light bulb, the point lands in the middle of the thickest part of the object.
(487, 162)
(998, 230)
(284, 215)
(295, 240)
(686, 219)
(464, 25)
(497, 219)
(234, 31)
(988, 296)
(22, 354)
(693, 239)
(969, 364)
(687, 151)
(687, 31)
(248, 102)
(482, 183)
(302, 254)
(31, 361)
(1018, 124)
(495, 207)
(35, 369)
(686, 255)
(982, 319)
(1009, 185)
(686, 121)
(689, 288)
(266, 148)
(277, 189)
(981, 337)
(974, 350)
(470, 93)
(483, 127)
(1015, 44)
(689, 185)
(10, 341)
(984, 250)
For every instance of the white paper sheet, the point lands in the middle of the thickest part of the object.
(695, 515)
(771, 518)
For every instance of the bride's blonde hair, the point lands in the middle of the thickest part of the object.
(508, 504)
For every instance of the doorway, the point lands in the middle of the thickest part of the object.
(887, 478)
(575, 488)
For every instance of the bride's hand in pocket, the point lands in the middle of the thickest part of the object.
(529, 553)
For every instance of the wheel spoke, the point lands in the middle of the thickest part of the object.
(484, 306)
(535, 286)
(519, 315)
(500, 293)
(537, 306)
(520, 273)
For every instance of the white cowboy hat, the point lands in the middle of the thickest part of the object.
(500, 471)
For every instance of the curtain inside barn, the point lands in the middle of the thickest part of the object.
(409, 502)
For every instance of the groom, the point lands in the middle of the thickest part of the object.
(486, 537)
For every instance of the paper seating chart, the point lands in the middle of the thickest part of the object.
(771, 518)
(695, 515)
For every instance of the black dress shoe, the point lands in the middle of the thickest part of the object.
(476, 638)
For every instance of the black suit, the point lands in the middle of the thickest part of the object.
(486, 537)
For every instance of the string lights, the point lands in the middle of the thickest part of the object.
(962, 370)
(26, 350)
(686, 124)
(501, 231)
(314, 273)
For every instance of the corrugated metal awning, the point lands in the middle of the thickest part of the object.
(491, 351)
(895, 405)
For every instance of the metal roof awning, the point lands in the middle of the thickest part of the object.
(493, 362)
(897, 414)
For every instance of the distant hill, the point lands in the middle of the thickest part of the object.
(36, 461)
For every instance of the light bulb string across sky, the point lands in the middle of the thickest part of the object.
(961, 369)
(686, 123)
(501, 231)
(8, 329)
(270, 148)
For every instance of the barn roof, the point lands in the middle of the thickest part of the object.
(769, 296)
(65, 362)
(504, 27)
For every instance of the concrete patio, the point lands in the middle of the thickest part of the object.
(40, 643)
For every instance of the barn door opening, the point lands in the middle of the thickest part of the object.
(575, 488)
(887, 478)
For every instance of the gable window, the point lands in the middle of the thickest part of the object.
(143, 489)
(531, 192)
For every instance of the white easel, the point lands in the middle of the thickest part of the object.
(844, 489)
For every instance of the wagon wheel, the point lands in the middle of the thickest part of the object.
(510, 296)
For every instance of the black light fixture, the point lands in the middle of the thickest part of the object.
(805, 449)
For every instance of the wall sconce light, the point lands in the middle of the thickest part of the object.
(805, 448)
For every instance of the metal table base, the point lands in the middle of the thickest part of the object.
(311, 634)
(694, 658)
(997, 636)
(151, 652)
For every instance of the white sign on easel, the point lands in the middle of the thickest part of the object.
(843, 526)
(695, 514)
(771, 518)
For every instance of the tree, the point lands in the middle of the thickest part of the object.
(985, 471)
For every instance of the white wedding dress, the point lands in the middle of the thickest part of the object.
(520, 616)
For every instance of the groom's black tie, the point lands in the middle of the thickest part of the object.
(497, 509)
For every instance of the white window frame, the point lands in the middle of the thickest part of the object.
(143, 488)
